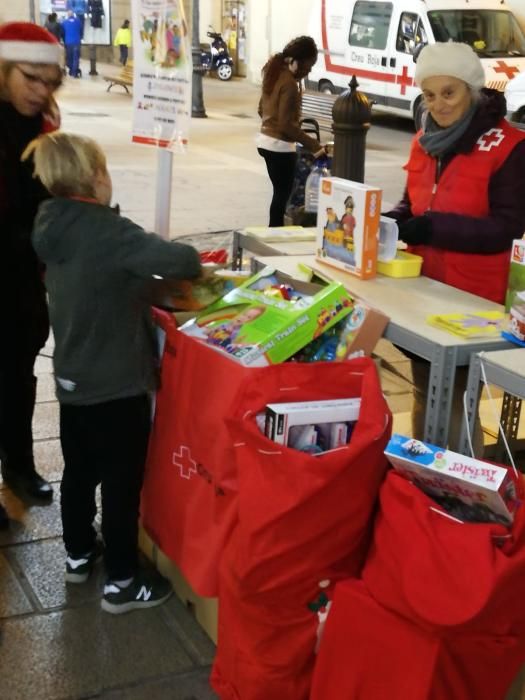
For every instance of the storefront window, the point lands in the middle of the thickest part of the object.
(234, 32)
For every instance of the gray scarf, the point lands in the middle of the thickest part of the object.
(436, 140)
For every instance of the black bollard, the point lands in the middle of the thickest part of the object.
(351, 114)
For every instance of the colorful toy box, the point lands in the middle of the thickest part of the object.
(486, 490)
(515, 299)
(348, 226)
(258, 326)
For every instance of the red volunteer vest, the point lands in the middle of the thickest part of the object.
(463, 188)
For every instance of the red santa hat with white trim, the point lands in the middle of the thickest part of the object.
(26, 42)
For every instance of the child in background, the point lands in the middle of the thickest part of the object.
(98, 265)
(123, 41)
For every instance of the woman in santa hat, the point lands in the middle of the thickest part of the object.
(30, 74)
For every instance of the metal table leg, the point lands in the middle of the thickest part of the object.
(473, 391)
(440, 393)
(236, 251)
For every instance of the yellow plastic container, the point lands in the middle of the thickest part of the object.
(403, 265)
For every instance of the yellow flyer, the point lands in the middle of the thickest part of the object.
(475, 325)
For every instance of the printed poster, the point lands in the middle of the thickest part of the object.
(162, 73)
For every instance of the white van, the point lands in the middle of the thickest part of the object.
(378, 40)
(515, 96)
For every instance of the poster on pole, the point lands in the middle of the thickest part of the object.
(162, 74)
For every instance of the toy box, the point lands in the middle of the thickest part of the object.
(318, 421)
(257, 326)
(348, 226)
(487, 492)
(357, 333)
(515, 299)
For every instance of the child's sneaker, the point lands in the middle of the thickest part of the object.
(146, 590)
(79, 570)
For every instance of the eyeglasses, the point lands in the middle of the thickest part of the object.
(33, 79)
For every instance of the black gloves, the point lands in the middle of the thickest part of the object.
(416, 231)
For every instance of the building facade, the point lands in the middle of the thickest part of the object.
(253, 29)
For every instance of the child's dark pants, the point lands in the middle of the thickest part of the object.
(104, 443)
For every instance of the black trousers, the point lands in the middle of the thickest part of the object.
(17, 403)
(104, 444)
(281, 169)
(25, 327)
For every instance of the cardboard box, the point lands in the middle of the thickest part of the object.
(282, 417)
(515, 299)
(487, 490)
(256, 326)
(348, 226)
(205, 610)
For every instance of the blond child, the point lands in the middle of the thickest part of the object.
(98, 265)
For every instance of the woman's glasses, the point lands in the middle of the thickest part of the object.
(33, 79)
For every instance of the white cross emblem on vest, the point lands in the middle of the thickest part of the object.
(490, 139)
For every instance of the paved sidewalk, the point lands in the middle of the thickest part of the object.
(55, 642)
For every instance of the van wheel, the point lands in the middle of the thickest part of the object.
(327, 87)
(418, 112)
(520, 116)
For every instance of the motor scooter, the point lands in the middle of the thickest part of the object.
(215, 56)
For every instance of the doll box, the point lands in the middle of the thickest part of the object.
(256, 326)
(348, 226)
(487, 489)
(281, 417)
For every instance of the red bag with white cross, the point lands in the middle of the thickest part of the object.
(190, 487)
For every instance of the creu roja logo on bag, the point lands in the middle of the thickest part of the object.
(189, 467)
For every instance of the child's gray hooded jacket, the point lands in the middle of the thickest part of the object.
(98, 265)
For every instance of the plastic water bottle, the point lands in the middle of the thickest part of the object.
(311, 189)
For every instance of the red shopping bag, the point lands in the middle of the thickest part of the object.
(267, 640)
(359, 655)
(190, 487)
(297, 512)
(456, 584)
(304, 523)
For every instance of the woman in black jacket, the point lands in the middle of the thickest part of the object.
(29, 76)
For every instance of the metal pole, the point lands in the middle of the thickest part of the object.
(197, 101)
(163, 193)
(32, 13)
(92, 59)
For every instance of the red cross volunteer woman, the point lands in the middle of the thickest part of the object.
(30, 74)
(464, 201)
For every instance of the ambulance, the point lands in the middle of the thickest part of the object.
(378, 41)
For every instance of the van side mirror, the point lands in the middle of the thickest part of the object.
(417, 50)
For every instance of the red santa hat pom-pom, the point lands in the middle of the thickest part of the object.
(26, 42)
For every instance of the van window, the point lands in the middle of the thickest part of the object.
(370, 23)
(410, 33)
(489, 32)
